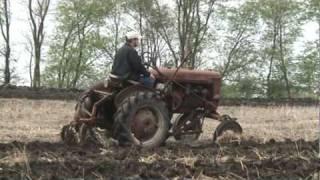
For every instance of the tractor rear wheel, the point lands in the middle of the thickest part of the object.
(143, 120)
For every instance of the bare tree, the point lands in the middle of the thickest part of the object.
(37, 16)
(29, 48)
(192, 20)
(64, 60)
(5, 31)
(272, 55)
(81, 34)
(152, 45)
(283, 65)
(114, 24)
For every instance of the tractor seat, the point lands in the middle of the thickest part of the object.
(133, 82)
(115, 81)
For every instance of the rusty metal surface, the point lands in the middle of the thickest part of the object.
(180, 100)
(187, 75)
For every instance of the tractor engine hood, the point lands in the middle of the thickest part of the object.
(187, 76)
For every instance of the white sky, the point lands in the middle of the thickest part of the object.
(20, 29)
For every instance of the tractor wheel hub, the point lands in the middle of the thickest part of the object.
(144, 124)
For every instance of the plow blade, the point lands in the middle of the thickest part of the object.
(227, 125)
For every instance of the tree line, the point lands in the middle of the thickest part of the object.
(252, 43)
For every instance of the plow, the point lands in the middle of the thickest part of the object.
(176, 106)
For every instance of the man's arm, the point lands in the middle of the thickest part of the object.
(136, 64)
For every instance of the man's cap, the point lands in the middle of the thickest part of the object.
(133, 35)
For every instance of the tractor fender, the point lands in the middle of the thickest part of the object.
(129, 91)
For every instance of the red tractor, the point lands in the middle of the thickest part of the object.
(135, 114)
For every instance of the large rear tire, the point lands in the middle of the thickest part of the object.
(143, 120)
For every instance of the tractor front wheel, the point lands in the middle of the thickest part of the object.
(187, 127)
(143, 120)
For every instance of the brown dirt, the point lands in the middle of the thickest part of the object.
(271, 147)
(249, 159)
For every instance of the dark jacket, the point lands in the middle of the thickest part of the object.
(128, 64)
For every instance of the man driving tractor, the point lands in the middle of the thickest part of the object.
(128, 64)
(143, 115)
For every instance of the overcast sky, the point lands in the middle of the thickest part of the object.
(20, 30)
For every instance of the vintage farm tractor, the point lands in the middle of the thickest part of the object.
(135, 114)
